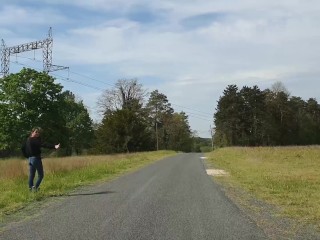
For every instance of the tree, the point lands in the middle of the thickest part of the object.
(78, 124)
(179, 133)
(126, 94)
(227, 117)
(159, 110)
(279, 87)
(278, 117)
(312, 124)
(123, 131)
(298, 117)
(125, 124)
(252, 116)
(29, 99)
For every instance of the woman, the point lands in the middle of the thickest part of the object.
(32, 149)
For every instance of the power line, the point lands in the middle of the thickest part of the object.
(112, 85)
(78, 82)
(202, 116)
(68, 79)
(195, 116)
(191, 109)
(79, 74)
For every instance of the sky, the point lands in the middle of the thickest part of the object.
(189, 50)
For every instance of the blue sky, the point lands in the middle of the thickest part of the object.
(188, 50)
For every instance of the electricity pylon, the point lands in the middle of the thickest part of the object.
(46, 46)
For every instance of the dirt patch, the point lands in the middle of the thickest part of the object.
(216, 172)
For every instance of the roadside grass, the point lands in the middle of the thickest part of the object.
(63, 175)
(285, 177)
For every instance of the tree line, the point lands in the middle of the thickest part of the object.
(130, 122)
(252, 117)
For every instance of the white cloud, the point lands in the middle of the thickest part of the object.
(13, 15)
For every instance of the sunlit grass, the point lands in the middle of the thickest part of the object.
(63, 175)
(287, 177)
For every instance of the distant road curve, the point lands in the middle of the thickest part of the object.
(170, 199)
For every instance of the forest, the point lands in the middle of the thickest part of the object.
(252, 117)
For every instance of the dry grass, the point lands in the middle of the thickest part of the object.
(287, 177)
(17, 168)
(63, 175)
(13, 169)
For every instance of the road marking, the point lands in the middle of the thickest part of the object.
(203, 157)
(216, 172)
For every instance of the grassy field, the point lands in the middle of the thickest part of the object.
(63, 175)
(285, 177)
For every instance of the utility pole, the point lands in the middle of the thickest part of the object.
(212, 134)
(45, 44)
(157, 126)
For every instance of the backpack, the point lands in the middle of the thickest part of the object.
(25, 149)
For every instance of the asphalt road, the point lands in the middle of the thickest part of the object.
(170, 199)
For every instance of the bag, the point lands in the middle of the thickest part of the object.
(25, 148)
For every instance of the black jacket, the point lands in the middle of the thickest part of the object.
(32, 147)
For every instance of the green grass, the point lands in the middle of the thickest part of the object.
(286, 177)
(63, 175)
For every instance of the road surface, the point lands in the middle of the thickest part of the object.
(171, 199)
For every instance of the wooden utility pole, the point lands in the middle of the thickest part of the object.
(212, 134)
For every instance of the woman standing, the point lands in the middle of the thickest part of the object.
(32, 149)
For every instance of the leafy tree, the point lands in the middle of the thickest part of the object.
(252, 116)
(201, 144)
(313, 117)
(78, 124)
(179, 133)
(123, 131)
(29, 99)
(279, 117)
(159, 110)
(227, 118)
(269, 117)
(298, 134)
(125, 124)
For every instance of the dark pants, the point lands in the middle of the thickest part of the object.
(35, 165)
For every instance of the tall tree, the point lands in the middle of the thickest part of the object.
(123, 131)
(78, 124)
(159, 110)
(127, 93)
(279, 87)
(313, 117)
(27, 99)
(279, 117)
(179, 134)
(297, 112)
(124, 127)
(227, 117)
(252, 116)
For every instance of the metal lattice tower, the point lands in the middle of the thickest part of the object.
(4, 59)
(45, 44)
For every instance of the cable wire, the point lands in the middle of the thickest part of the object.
(203, 116)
